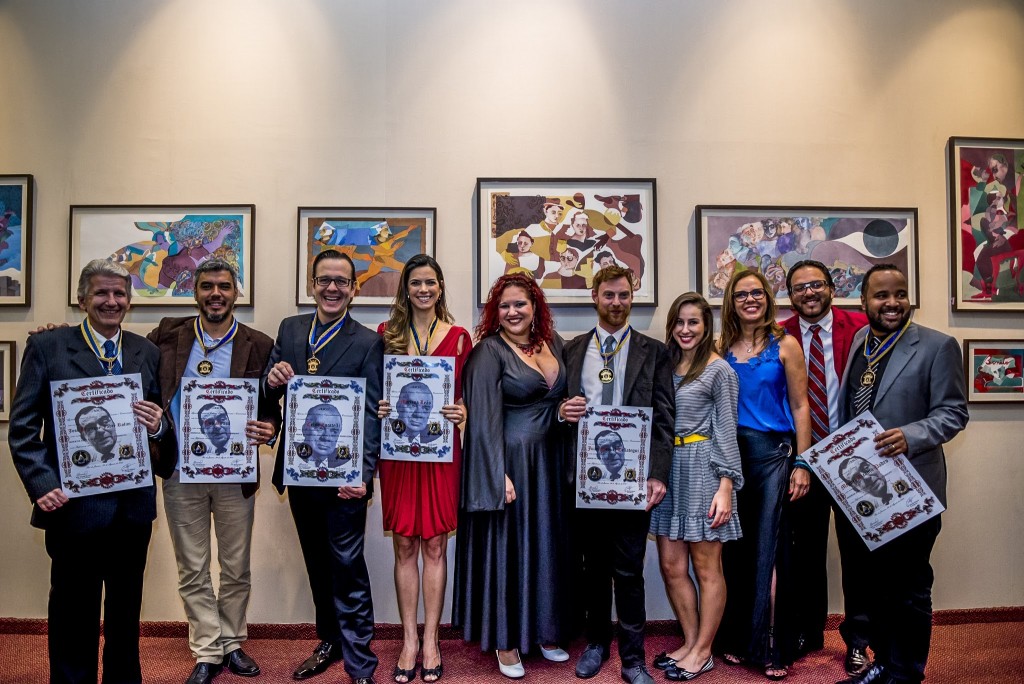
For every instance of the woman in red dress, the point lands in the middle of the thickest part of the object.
(420, 500)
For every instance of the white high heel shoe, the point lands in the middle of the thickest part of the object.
(513, 671)
(555, 655)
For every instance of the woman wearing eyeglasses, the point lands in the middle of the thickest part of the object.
(774, 425)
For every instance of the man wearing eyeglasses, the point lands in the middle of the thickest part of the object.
(826, 334)
(331, 522)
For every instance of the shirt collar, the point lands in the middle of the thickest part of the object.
(825, 323)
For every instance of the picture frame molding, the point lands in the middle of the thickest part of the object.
(27, 233)
(10, 367)
(968, 344)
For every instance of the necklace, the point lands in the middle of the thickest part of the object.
(528, 349)
(749, 347)
(205, 367)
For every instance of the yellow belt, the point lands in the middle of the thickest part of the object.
(689, 439)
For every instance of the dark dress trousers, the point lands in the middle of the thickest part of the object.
(810, 521)
(331, 529)
(96, 543)
(610, 545)
(921, 391)
(249, 351)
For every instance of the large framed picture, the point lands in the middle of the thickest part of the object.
(562, 231)
(994, 371)
(8, 362)
(161, 246)
(986, 242)
(379, 239)
(770, 239)
(16, 195)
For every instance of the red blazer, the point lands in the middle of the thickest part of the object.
(844, 325)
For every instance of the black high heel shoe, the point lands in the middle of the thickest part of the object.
(435, 673)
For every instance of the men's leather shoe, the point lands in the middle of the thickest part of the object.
(876, 674)
(365, 680)
(857, 661)
(203, 673)
(323, 655)
(637, 674)
(239, 662)
(591, 661)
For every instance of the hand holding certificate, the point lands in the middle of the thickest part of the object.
(883, 496)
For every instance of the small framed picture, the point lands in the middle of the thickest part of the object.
(848, 240)
(986, 241)
(378, 239)
(561, 231)
(995, 371)
(161, 246)
(8, 364)
(16, 197)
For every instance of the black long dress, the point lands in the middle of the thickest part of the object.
(512, 561)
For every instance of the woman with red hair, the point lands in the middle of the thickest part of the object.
(511, 557)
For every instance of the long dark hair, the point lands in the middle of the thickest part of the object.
(704, 348)
(396, 331)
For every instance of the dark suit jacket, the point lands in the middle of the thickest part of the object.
(357, 352)
(175, 337)
(62, 354)
(922, 392)
(844, 325)
(648, 382)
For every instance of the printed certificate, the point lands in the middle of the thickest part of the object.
(100, 444)
(212, 446)
(613, 457)
(417, 387)
(882, 496)
(324, 433)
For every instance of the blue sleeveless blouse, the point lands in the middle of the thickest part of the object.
(764, 402)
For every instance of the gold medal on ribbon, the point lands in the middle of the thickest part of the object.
(204, 367)
(606, 375)
(867, 378)
(312, 365)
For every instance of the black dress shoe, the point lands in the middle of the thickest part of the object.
(876, 674)
(203, 673)
(662, 661)
(239, 662)
(856, 661)
(323, 655)
(805, 644)
(365, 680)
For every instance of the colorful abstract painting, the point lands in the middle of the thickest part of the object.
(849, 241)
(995, 370)
(987, 249)
(16, 194)
(378, 240)
(561, 232)
(162, 246)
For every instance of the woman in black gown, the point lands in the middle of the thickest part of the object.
(512, 559)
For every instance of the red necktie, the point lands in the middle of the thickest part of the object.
(817, 390)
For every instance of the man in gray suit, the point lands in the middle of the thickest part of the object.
(331, 522)
(910, 377)
(97, 544)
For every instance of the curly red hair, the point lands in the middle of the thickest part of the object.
(543, 329)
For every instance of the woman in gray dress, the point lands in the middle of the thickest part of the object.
(698, 512)
(511, 566)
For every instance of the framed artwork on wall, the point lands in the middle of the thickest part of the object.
(16, 196)
(994, 370)
(378, 239)
(8, 362)
(770, 239)
(161, 245)
(986, 240)
(562, 231)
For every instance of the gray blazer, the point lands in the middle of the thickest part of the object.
(923, 393)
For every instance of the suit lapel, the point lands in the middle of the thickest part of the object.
(335, 350)
(241, 347)
(899, 358)
(131, 354)
(574, 364)
(186, 338)
(635, 360)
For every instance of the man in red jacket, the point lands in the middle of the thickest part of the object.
(826, 334)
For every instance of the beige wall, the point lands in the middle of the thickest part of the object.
(323, 102)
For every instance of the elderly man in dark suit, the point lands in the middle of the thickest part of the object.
(331, 522)
(212, 345)
(97, 544)
(616, 365)
(910, 377)
(826, 335)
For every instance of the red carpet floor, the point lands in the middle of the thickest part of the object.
(961, 652)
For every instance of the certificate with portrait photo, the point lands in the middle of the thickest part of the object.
(101, 447)
(212, 446)
(417, 387)
(324, 432)
(883, 496)
(613, 454)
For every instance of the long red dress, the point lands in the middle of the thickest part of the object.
(422, 499)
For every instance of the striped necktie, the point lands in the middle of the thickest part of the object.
(865, 394)
(817, 389)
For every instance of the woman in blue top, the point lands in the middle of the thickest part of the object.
(774, 425)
